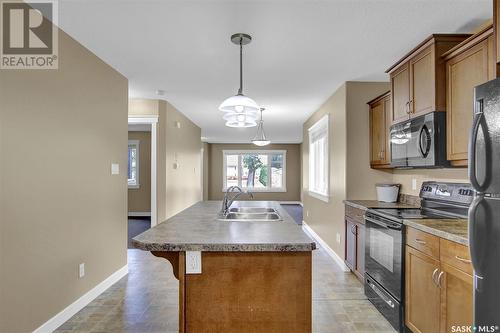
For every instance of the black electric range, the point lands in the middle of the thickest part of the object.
(384, 244)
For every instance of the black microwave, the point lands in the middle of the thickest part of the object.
(420, 142)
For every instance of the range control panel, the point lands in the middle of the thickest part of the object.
(449, 192)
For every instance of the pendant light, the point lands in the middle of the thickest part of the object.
(260, 138)
(240, 110)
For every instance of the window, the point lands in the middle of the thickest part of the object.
(256, 170)
(133, 163)
(319, 160)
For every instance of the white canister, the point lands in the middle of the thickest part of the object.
(388, 192)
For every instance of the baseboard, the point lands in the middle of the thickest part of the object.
(53, 323)
(139, 214)
(290, 203)
(338, 260)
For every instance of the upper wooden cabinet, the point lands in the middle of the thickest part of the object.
(467, 65)
(380, 122)
(418, 80)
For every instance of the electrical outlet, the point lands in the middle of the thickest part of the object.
(338, 238)
(193, 262)
(81, 270)
(414, 184)
(307, 213)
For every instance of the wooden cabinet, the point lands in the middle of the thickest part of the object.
(467, 65)
(355, 241)
(350, 242)
(418, 80)
(380, 122)
(438, 284)
(422, 294)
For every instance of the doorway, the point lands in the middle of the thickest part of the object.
(141, 172)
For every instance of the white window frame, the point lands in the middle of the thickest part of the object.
(135, 143)
(319, 129)
(260, 152)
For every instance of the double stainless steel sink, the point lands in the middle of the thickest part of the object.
(251, 214)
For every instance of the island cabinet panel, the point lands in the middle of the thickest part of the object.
(438, 278)
(418, 80)
(467, 65)
(250, 292)
(380, 122)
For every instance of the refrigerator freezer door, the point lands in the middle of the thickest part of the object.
(484, 143)
(484, 243)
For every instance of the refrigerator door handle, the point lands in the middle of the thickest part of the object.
(472, 145)
(474, 243)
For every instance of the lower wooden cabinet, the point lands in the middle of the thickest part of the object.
(422, 293)
(438, 287)
(355, 241)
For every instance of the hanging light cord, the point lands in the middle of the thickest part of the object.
(240, 91)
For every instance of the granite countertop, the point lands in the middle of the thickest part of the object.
(455, 230)
(367, 204)
(197, 229)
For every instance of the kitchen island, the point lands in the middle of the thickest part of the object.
(256, 276)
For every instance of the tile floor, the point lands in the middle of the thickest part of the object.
(146, 301)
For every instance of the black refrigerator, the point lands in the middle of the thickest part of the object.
(484, 213)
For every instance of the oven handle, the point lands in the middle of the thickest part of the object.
(393, 226)
(380, 294)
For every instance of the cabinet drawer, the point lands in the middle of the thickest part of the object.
(422, 241)
(456, 255)
(355, 213)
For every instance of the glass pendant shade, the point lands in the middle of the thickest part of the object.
(240, 119)
(260, 138)
(239, 103)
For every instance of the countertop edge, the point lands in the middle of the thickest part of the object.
(304, 247)
(436, 232)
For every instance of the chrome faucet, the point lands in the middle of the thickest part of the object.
(227, 202)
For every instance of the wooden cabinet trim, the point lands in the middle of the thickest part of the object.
(469, 42)
(427, 42)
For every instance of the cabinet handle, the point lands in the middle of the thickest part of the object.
(467, 261)
(421, 242)
(439, 279)
(410, 108)
(353, 229)
(434, 276)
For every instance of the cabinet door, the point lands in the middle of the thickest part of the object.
(422, 83)
(422, 294)
(387, 120)
(350, 244)
(464, 72)
(378, 133)
(360, 250)
(456, 298)
(400, 87)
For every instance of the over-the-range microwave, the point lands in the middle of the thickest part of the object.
(419, 142)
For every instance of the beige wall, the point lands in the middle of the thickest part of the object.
(404, 177)
(293, 172)
(350, 173)
(206, 167)
(139, 199)
(182, 145)
(178, 188)
(60, 131)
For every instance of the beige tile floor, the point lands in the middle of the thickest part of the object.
(146, 300)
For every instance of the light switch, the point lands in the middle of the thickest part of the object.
(193, 262)
(81, 270)
(115, 169)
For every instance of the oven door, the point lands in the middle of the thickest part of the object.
(384, 253)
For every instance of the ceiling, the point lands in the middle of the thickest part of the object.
(302, 51)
